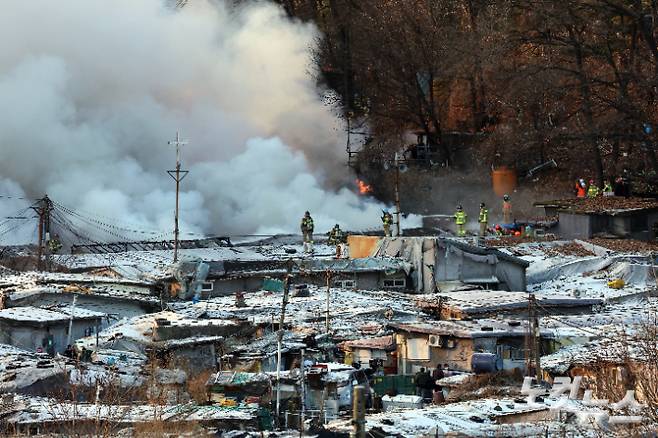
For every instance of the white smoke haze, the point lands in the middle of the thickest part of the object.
(91, 91)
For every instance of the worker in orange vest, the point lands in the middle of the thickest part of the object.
(508, 217)
(581, 188)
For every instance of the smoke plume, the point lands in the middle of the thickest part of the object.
(91, 91)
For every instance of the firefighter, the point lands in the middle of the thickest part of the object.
(54, 245)
(483, 219)
(336, 238)
(581, 188)
(593, 190)
(387, 221)
(507, 210)
(307, 231)
(460, 221)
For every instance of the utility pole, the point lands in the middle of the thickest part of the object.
(302, 407)
(178, 175)
(68, 340)
(43, 208)
(533, 340)
(536, 338)
(397, 195)
(279, 338)
(328, 299)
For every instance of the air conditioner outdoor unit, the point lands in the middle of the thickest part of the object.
(435, 341)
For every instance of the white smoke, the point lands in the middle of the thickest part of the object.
(91, 91)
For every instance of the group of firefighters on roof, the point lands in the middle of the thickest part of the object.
(461, 217)
(621, 188)
(583, 190)
(337, 237)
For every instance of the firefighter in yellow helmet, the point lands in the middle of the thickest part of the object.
(483, 219)
(387, 221)
(460, 221)
(307, 227)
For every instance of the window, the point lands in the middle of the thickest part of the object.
(347, 284)
(395, 283)
(418, 349)
(207, 285)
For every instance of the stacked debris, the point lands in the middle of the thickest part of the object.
(600, 204)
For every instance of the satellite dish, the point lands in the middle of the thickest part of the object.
(403, 168)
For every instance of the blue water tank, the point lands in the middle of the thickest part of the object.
(482, 363)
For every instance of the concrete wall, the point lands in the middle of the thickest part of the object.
(574, 226)
(195, 358)
(30, 338)
(581, 226)
(228, 286)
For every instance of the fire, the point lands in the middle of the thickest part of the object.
(364, 188)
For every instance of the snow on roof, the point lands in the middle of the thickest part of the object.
(151, 265)
(44, 410)
(29, 284)
(20, 368)
(352, 312)
(381, 343)
(139, 329)
(483, 328)
(471, 418)
(477, 301)
(39, 315)
(605, 350)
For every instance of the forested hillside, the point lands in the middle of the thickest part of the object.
(496, 82)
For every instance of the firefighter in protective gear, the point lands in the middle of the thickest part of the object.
(336, 236)
(387, 221)
(507, 210)
(593, 190)
(460, 221)
(307, 231)
(54, 245)
(483, 219)
(581, 188)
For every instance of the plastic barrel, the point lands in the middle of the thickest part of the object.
(482, 363)
(503, 180)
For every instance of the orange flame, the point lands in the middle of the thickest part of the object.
(364, 188)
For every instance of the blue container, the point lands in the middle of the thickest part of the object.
(482, 363)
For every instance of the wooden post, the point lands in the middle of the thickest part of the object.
(358, 412)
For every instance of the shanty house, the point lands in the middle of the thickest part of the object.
(363, 351)
(456, 342)
(437, 261)
(31, 327)
(228, 277)
(633, 218)
(476, 303)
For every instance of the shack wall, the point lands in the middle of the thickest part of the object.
(457, 358)
(574, 226)
(30, 338)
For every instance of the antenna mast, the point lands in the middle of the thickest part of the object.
(178, 175)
